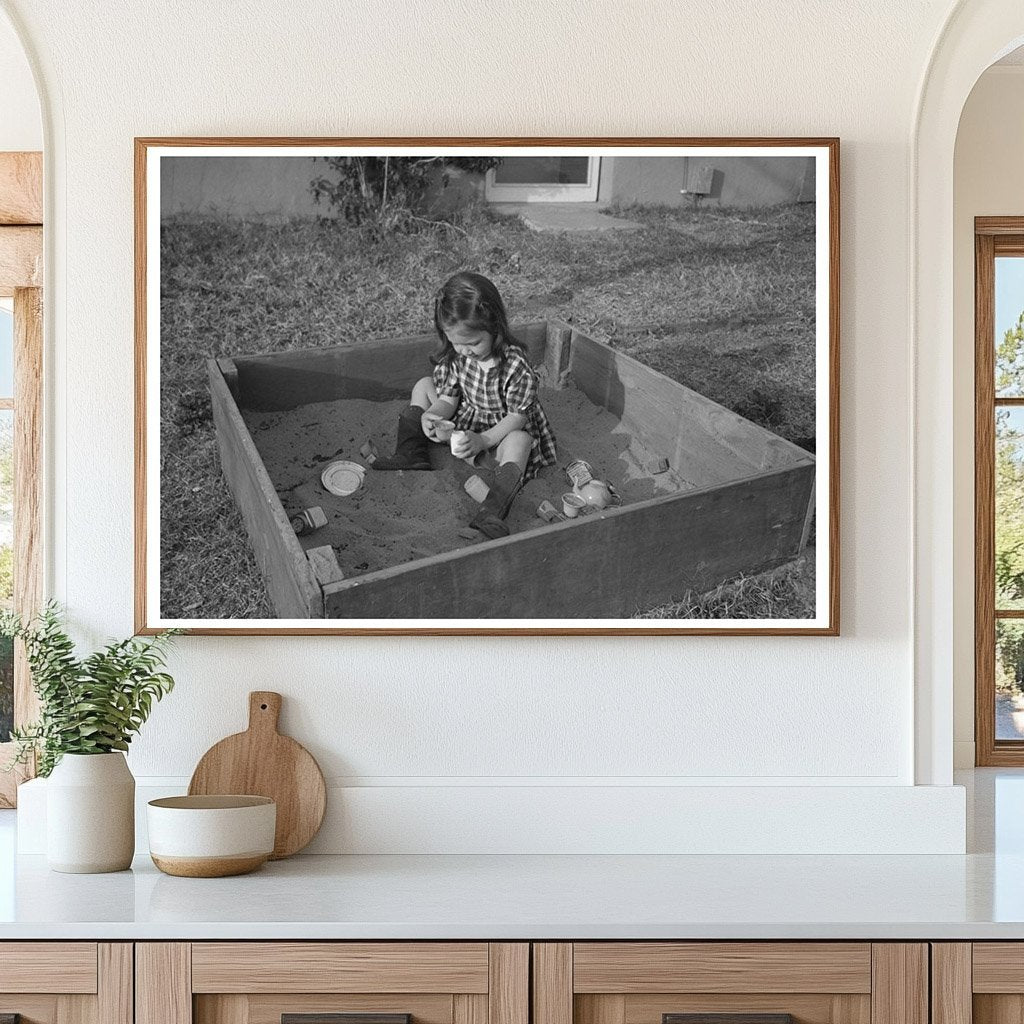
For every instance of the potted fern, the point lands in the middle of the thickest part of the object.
(89, 710)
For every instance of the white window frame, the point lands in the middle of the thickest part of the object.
(532, 192)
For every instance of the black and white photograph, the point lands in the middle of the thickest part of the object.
(451, 386)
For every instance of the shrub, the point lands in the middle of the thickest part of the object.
(385, 194)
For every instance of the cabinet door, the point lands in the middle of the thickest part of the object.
(980, 982)
(66, 982)
(730, 983)
(332, 983)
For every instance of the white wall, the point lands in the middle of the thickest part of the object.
(429, 717)
(21, 127)
(987, 182)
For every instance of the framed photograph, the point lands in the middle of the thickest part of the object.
(499, 386)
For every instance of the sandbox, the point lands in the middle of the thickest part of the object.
(735, 498)
(400, 517)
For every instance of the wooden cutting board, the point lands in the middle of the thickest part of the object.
(262, 762)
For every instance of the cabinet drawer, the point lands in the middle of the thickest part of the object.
(329, 982)
(340, 967)
(66, 982)
(633, 967)
(64, 967)
(998, 967)
(730, 983)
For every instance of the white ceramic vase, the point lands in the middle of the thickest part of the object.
(90, 814)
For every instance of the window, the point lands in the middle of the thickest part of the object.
(6, 511)
(999, 490)
(21, 363)
(543, 179)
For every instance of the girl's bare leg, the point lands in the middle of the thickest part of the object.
(424, 394)
(515, 447)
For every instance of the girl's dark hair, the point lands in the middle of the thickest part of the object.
(472, 299)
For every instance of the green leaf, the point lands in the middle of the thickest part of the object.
(89, 705)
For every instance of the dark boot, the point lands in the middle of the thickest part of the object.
(490, 519)
(412, 447)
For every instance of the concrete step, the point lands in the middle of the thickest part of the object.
(566, 217)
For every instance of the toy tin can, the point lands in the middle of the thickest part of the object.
(579, 472)
(309, 520)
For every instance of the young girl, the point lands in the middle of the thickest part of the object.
(482, 382)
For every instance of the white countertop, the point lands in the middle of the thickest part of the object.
(516, 897)
(976, 896)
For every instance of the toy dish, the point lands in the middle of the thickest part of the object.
(343, 478)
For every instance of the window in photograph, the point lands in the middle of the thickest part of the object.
(544, 179)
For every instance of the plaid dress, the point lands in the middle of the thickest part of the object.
(485, 395)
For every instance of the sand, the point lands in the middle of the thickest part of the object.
(398, 517)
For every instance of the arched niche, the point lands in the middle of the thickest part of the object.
(975, 35)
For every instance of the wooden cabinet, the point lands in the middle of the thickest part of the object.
(264, 982)
(977, 982)
(664, 982)
(66, 982)
(512, 983)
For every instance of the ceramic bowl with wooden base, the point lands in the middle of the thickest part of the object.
(211, 836)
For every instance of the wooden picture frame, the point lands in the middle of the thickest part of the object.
(737, 500)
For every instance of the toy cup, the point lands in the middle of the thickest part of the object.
(457, 438)
(572, 505)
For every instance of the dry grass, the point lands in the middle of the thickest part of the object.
(780, 594)
(721, 301)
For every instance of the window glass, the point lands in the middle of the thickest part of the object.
(1009, 511)
(1009, 327)
(6, 353)
(542, 170)
(6, 568)
(1009, 679)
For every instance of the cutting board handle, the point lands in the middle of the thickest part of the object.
(264, 710)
